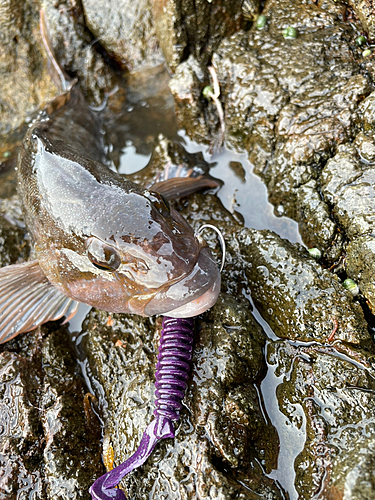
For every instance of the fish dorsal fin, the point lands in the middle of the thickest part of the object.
(178, 187)
(28, 299)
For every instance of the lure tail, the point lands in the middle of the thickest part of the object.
(172, 373)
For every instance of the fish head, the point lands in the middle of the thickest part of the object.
(139, 255)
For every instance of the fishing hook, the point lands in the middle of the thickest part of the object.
(221, 240)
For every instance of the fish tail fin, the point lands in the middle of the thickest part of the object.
(58, 75)
(28, 299)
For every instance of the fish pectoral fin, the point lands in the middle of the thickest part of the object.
(177, 187)
(28, 299)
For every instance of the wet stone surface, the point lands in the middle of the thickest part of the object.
(49, 450)
(22, 65)
(303, 109)
(194, 27)
(321, 388)
(221, 423)
(126, 30)
(275, 266)
(77, 50)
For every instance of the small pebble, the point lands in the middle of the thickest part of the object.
(351, 286)
(261, 22)
(361, 40)
(315, 253)
(207, 91)
(290, 32)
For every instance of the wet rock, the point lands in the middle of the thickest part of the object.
(186, 87)
(360, 265)
(263, 417)
(314, 217)
(317, 379)
(49, 449)
(365, 146)
(347, 185)
(71, 429)
(77, 50)
(194, 28)
(364, 11)
(299, 299)
(126, 30)
(14, 243)
(250, 9)
(319, 388)
(24, 81)
(290, 102)
(21, 444)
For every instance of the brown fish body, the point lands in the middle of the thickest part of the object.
(98, 238)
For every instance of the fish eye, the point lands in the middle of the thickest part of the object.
(102, 256)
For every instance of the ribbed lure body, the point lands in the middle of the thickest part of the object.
(172, 373)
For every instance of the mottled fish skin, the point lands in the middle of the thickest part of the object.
(83, 216)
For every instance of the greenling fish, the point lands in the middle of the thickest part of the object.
(98, 238)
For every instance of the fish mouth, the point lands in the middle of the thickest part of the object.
(199, 305)
(191, 296)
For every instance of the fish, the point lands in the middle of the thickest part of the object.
(98, 238)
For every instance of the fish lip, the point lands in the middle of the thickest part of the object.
(199, 305)
(193, 294)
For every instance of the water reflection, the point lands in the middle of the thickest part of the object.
(243, 191)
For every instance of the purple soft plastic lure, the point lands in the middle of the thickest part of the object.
(172, 372)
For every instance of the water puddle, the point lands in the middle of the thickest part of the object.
(243, 191)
